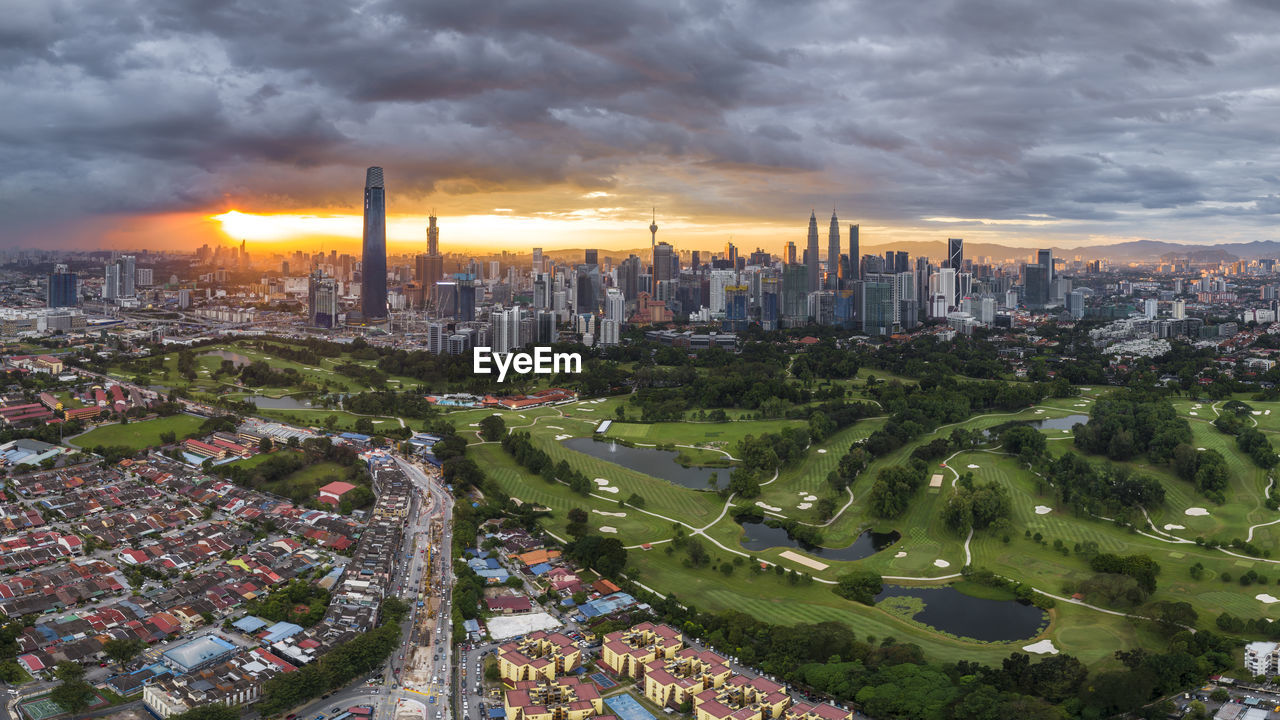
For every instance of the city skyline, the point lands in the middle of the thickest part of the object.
(1011, 124)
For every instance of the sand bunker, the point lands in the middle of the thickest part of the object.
(1257, 412)
(806, 561)
(901, 554)
(562, 437)
(972, 466)
(804, 506)
(821, 451)
(1171, 526)
(608, 529)
(473, 424)
(766, 506)
(1265, 598)
(1200, 449)
(610, 514)
(1192, 412)
(810, 498)
(1197, 511)
(587, 409)
(601, 481)
(941, 563)
(1041, 648)
(1043, 509)
(609, 489)
(554, 427)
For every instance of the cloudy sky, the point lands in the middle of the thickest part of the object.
(536, 122)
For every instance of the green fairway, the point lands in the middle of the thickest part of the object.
(138, 435)
(305, 483)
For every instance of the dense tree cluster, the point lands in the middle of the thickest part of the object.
(860, 586)
(977, 505)
(259, 373)
(407, 404)
(1128, 423)
(298, 602)
(1139, 567)
(894, 487)
(604, 555)
(1207, 469)
(1102, 488)
(916, 410)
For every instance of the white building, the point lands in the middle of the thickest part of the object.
(1262, 658)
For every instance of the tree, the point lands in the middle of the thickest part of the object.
(492, 428)
(860, 586)
(121, 650)
(364, 426)
(73, 694)
(264, 445)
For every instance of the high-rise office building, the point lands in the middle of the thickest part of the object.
(664, 263)
(855, 255)
(322, 300)
(901, 263)
(373, 274)
(955, 254)
(62, 288)
(789, 254)
(955, 261)
(592, 257)
(811, 252)
(615, 305)
(505, 330)
(128, 276)
(537, 261)
(833, 253)
(1035, 282)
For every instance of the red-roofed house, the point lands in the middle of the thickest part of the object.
(333, 492)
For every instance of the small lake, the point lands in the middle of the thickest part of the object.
(759, 536)
(950, 610)
(288, 402)
(1065, 422)
(1060, 423)
(236, 358)
(650, 461)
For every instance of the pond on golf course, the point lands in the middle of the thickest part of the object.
(650, 461)
(954, 612)
(759, 536)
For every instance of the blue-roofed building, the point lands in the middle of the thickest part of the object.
(280, 631)
(199, 653)
(497, 712)
(607, 604)
(540, 569)
(494, 576)
(355, 437)
(249, 624)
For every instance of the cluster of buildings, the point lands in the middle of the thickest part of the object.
(539, 672)
(214, 673)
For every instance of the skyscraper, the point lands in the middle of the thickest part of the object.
(62, 288)
(833, 253)
(811, 252)
(955, 261)
(373, 278)
(855, 256)
(664, 267)
(433, 236)
(128, 276)
(789, 254)
(322, 297)
(591, 257)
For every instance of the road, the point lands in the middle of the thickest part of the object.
(394, 686)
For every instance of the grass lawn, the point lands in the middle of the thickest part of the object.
(317, 417)
(138, 435)
(305, 483)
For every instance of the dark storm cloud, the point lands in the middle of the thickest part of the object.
(1132, 115)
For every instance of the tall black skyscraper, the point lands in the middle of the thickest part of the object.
(955, 254)
(855, 256)
(833, 253)
(373, 278)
